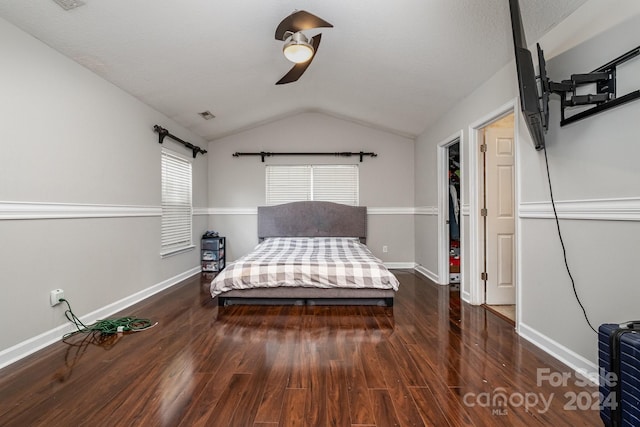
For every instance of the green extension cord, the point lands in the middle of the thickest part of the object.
(107, 326)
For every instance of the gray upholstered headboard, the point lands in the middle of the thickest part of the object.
(312, 219)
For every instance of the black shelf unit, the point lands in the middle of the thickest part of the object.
(212, 254)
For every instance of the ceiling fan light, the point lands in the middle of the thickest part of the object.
(298, 49)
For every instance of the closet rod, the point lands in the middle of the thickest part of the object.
(162, 132)
(264, 154)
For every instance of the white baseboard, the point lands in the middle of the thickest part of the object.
(25, 348)
(400, 265)
(428, 274)
(563, 354)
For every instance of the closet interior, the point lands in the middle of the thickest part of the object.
(454, 213)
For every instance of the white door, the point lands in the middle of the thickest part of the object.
(500, 215)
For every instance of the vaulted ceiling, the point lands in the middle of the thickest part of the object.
(393, 65)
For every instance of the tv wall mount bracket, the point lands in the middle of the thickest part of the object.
(603, 77)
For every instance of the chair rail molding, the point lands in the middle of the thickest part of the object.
(426, 210)
(391, 211)
(40, 210)
(615, 209)
(429, 210)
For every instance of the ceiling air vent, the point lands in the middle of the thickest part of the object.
(207, 115)
(69, 4)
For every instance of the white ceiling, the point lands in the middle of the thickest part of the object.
(396, 65)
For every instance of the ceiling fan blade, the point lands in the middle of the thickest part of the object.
(299, 21)
(296, 72)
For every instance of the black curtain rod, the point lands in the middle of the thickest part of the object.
(162, 132)
(264, 154)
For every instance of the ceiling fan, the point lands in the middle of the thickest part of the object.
(298, 48)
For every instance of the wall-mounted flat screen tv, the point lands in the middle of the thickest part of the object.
(528, 86)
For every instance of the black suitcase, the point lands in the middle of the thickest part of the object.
(619, 360)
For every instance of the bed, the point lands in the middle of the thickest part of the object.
(310, 253)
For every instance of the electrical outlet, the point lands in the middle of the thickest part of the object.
(385, 249)
(55, 296)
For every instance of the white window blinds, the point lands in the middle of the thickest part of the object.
(338, 183)
(330, 183)
(176, 203)
(288, 184)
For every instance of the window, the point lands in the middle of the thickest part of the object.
(176, 203)
(330, 183)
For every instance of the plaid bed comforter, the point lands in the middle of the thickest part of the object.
(323, 262)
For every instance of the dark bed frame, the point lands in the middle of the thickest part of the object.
(310, 219)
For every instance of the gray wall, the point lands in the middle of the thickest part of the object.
(237, 185)
(595, 174)
(594, 161)
(74, 145)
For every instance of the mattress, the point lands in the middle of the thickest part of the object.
(319, 262)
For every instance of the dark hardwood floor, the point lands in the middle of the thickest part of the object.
(430, 360)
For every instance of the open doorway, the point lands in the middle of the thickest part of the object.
(493, 221)
(450, 228)
(499, 223)
(454, 217)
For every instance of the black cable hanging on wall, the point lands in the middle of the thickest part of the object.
(264, 154)
(162, 132)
